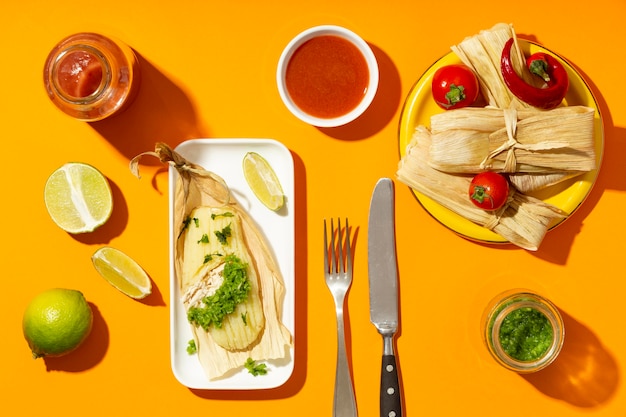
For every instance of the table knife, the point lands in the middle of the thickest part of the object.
(383, 286)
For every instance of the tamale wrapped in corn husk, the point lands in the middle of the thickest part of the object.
(523, 220)
(471, 140)
(530, 182)
(203, 198)
(482, 53)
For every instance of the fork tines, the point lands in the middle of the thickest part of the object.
(338, 264)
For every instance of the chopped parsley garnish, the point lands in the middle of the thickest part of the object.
(244, 317)
(234, 290)
(225, 214)
(254, 368)
(209, 257)
(223, 235)
(204, 239)
(191, 347)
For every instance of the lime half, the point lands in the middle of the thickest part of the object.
(78, 198)
(122, 272)
(263, 181)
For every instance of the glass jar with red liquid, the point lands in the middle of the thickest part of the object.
(90, 76)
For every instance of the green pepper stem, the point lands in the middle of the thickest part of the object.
(456, 94)
(539, 67)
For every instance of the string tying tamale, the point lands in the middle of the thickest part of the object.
(471, 140)
(523, 220)
(204, 206)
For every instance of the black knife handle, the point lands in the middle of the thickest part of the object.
(390, 399)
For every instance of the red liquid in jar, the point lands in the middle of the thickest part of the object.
(79, 74)
(91, 77)
(327, 77)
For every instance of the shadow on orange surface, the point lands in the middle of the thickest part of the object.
(383, 107)
(155, 298)
(89, 354)
(298, 377)
(584, 375)
(161, 112)
(611, 176)
(301, 261)
(354, 240)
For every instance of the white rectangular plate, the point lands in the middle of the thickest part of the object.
(224, 157)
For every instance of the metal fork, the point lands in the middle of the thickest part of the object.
(338, 272)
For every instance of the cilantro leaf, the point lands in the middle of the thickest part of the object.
(254, 368)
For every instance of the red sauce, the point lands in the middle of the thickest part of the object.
(327, 77)
(79, 74)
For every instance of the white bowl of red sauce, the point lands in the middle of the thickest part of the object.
(327, 76)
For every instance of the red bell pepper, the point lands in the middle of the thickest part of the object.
(542, 65)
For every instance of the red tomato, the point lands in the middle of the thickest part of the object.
(454, 86)
(489, 190)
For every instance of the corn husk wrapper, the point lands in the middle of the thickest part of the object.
(471, 140)
(482, 53)
(523, 220)
(197, 187)
(529, 183)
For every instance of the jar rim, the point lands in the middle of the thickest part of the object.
(105, 82)
(514, 302)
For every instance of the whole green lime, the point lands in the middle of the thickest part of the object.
(56, 322)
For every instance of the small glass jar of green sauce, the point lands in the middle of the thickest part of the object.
(524, 332)
(90, 76)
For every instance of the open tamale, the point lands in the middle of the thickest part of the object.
(472, 140)
(523, 220)
(217, 242)
(217, 270)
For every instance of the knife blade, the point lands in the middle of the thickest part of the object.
(383, 286)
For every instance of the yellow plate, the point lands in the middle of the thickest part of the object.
(568, 195)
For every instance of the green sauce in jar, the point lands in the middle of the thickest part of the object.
(523, 331)
(526, 334)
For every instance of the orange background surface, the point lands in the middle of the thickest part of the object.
(208, 71)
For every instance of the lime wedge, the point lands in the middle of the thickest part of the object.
(122, 272)
(263, 181)
(78, 198)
